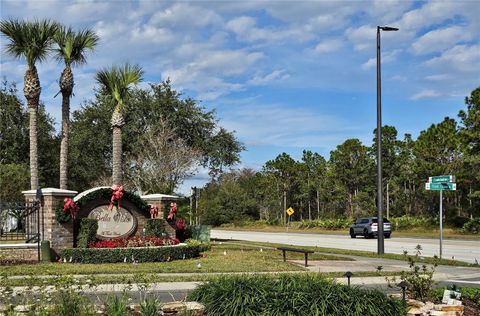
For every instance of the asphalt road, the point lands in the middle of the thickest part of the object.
(463, 250)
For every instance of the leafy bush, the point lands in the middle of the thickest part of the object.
(144, 254)
(155, 227)
(337, 223)
(472, 226)
(88, 232)
(457, 221)
(407, 222)
(291, 295)
(135, 241)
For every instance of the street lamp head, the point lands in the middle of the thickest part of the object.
(388, 28)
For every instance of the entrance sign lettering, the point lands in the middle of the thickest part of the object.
(118, 222)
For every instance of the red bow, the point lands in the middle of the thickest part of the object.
(116, 196)
(69, 206)
(153, 211)
(173, 210)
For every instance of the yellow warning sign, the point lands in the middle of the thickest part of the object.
(290, 211)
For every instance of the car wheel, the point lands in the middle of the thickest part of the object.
(352, 234)
(387, 235)
(366, 234)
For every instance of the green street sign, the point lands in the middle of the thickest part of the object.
(440, 186)
(442, 179)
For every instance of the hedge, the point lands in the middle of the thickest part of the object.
(140, 254)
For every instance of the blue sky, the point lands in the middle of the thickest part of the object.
(285, 75)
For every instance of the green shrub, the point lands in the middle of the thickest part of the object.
(140, 254)
(88, 232)
(457, 221)
(407, 222)
(155, 227)
(330, 224)
(291, 295)
(472, 226)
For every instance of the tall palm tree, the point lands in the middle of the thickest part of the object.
(115, 82)
(30, 40)
(71, 49)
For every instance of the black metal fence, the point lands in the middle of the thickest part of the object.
(20, 222)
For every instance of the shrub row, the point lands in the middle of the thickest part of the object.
(338, 223)
(144, 254)
(291, 295)
(472, 226)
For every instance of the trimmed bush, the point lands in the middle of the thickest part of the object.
(291, 295)
(88, 232)
(155, 227)
(144, 254)
(472, 226)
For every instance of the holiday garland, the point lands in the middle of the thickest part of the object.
(105, 193)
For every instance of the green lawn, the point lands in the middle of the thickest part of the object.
(361, 253)
(221, 258)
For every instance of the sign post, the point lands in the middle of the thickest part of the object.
(290, 212)
(441, 183)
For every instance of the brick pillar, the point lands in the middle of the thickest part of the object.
(160, 201)
(59, 235)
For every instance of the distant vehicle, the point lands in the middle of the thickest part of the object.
(368, 227)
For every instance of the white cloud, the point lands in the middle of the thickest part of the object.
(386, 57)
(275, 75)
(246, 30)
(328, 46)
(183, 15)
(425, 94)
(462, 58)
(439, 77)
(440, 39)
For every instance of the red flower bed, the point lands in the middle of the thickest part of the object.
(135, 241)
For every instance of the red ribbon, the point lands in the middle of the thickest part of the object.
(69, 206)
(117, 195)
(153, 211)
(173, 210)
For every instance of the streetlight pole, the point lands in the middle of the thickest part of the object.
(380, 239)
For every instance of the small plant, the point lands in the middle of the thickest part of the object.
(149, 307)
(88, 232)
(116, 305)
(419, 279)
(472, 226)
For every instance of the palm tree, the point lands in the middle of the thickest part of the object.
(71, 49)
(115, 83)
(30, 40)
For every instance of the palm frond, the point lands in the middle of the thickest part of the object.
(72, 45)
(29, 39)
(116, 81)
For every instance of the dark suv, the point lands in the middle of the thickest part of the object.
(368, 227)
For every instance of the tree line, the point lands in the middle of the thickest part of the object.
(345, 184)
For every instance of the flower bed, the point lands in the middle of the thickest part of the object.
(135, 241)
(130, 254)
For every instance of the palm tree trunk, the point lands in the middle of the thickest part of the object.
(64, 140)
(31, 90)
(117, 155)
(33, 149)
(117, 124)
